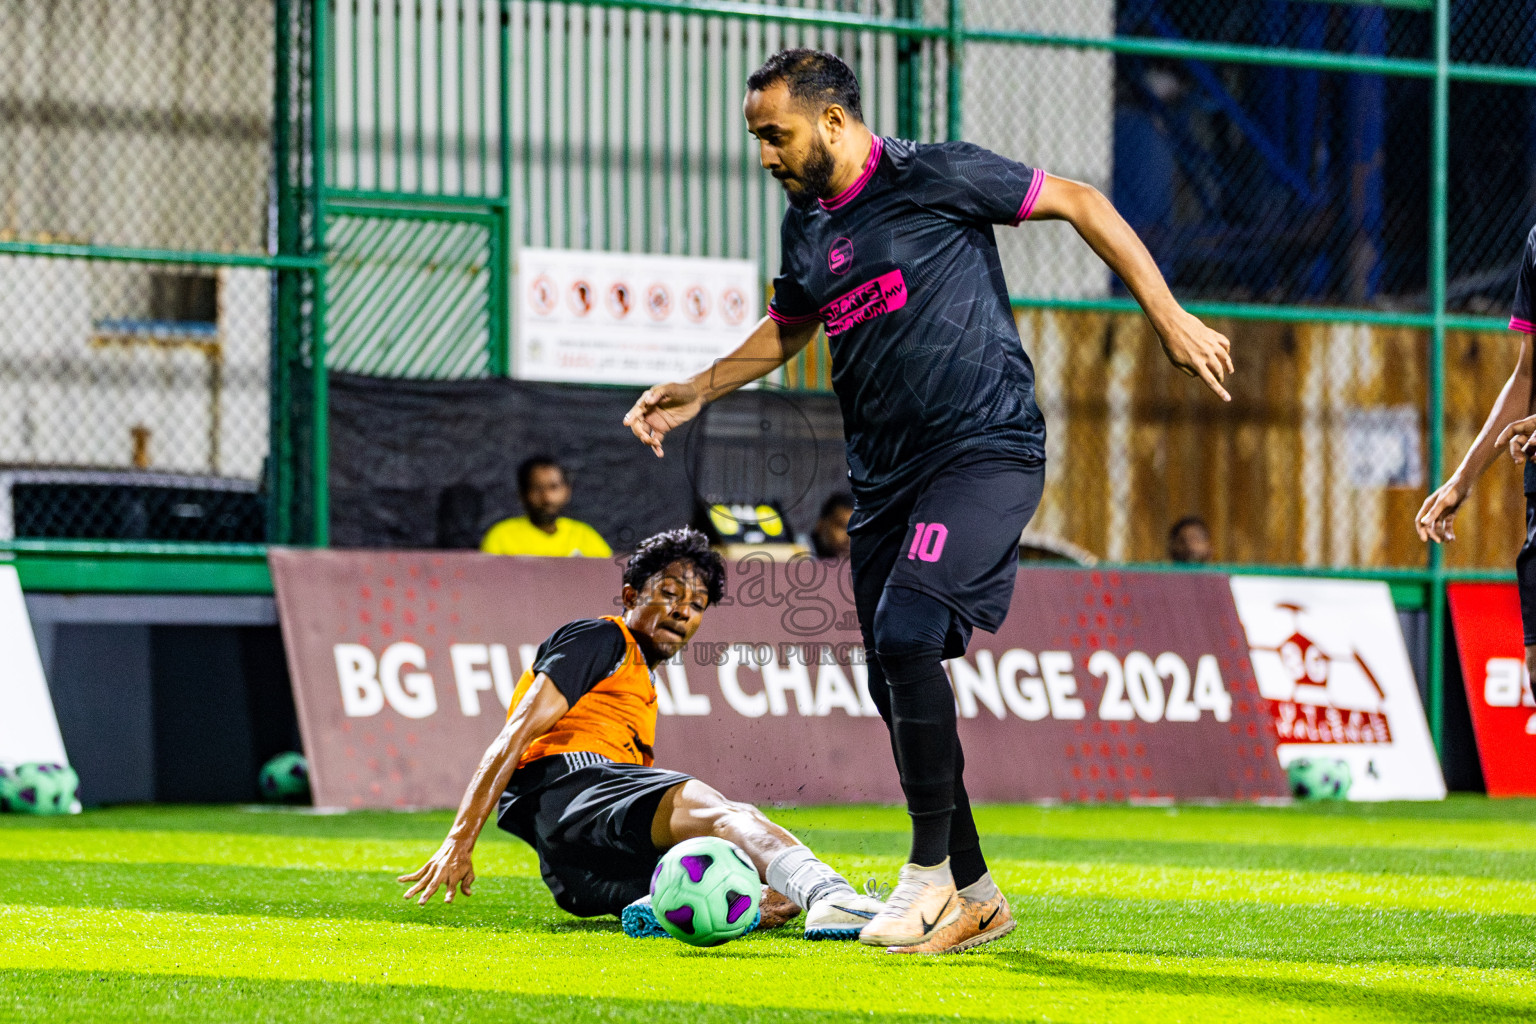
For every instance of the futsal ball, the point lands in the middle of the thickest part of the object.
(1322, 779)
(41, 789)
(66, 783)
(285, 778)
(7, 789)
(705, 892)
(1334, 780)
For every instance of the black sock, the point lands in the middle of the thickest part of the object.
(923, 731)
(965, 860)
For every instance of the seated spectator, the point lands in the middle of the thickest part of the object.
(829, 538)
(1190, 541)
(545, 492)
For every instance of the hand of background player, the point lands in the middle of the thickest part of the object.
(660, 409)
(1199, 352)
(449, 866)
(1520, 438)
(1436, 520)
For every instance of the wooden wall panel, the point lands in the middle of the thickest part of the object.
(1277, 472)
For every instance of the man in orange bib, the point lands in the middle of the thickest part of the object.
(572, 771)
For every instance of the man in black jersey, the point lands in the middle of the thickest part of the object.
(1509, 424)
(890, 246)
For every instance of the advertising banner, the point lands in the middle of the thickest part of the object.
(1330, 658)
(29, 730)
(1100, 686)
(626, 318)
(1489, 640)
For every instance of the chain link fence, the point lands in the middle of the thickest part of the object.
(1289, 198)
(136, 162)
(163, 216)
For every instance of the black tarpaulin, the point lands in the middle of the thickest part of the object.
(434, 463)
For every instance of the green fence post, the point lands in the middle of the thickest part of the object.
(286, 319)
(319, 412)
(908, 53)
(501, 265)
(956, 67)
(1439, 145)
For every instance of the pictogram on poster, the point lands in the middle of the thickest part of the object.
(625, 318)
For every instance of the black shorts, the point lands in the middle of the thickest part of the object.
(589, 818)
(967, 554)
(1525, 572)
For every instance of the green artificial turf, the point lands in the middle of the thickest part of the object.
(1399, 912)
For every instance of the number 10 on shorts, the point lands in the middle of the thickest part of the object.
(928, 542)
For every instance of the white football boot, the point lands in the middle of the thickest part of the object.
(842, 915)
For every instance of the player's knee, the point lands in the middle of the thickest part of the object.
(1530, 666)
(697, 797)
(708, 812)
(909, 626)
(582, 903)
(733, 817)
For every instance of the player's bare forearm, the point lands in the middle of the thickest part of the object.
(661, 409)
(1507, 419)
(1190, 345)
(769, 346)
(541, 706)
(1512, 405)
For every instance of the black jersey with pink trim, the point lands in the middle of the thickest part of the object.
(902, 268)
(1522, 318)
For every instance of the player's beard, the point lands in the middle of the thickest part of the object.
(814, 179)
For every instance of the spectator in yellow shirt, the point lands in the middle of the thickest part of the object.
(545, 492)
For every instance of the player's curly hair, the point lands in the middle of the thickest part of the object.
(657, 552)
(816, 78)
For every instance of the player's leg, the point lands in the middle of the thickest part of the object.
(875, 543)
(910, 633)
(834, 910)
(591, 825)
(1530, 669)
(960, 569)
(1525, 579)
(876, 547)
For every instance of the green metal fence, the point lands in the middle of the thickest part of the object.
(207, 207)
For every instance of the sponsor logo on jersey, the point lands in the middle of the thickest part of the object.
(885, 294)
(840, 256)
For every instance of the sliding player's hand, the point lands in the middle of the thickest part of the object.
(1520, 438)
(450, 866)
(661, 409)
(1436, 520)
(1199, 351)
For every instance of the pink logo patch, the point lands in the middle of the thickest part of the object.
(840, 256)
(884, 294)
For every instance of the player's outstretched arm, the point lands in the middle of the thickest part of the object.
(667, 406)
(1508, 424)
(541, 706)
(1190, 345)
